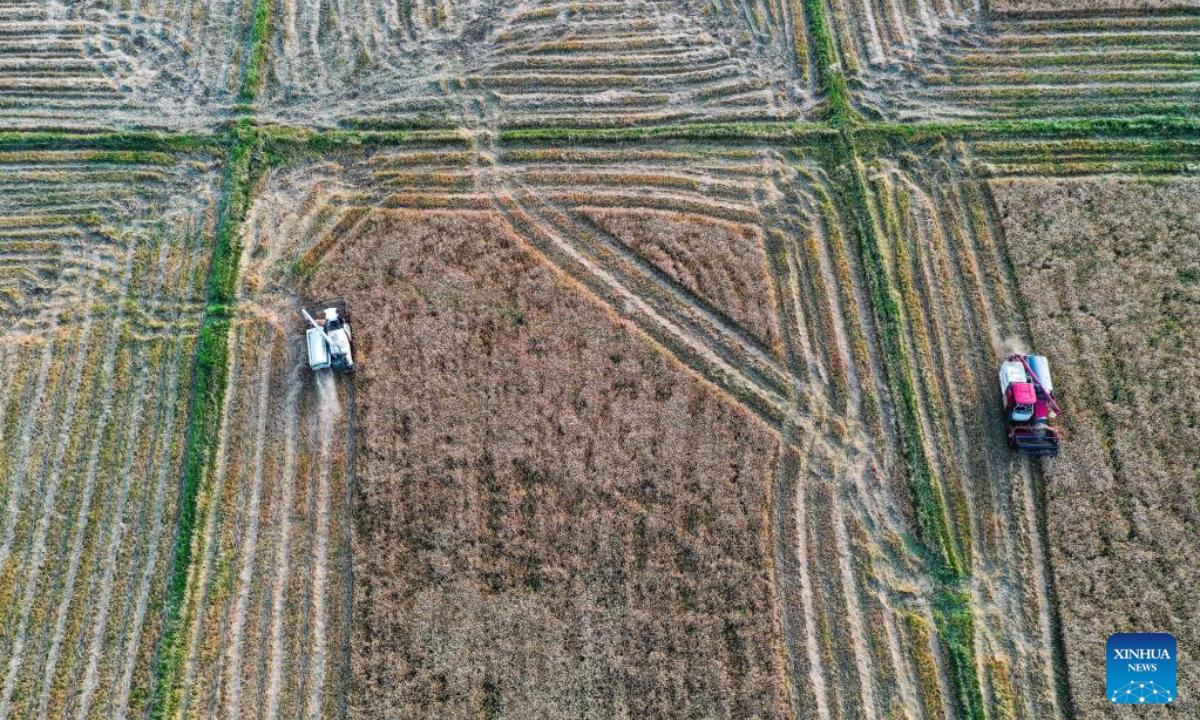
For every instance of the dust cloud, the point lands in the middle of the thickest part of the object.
(328, 405)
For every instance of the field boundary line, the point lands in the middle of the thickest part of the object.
(210, 376)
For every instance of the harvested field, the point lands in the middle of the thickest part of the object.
(937, 61)
(104, 266)
(266, 613)
(481, 64)
(147, 64)
(1112, 267)
(959, 310)
(676, 323)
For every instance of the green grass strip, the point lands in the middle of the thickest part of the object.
(120, 141)
(831, 79)
(204, 421)
(260, 33)
(933, 520)
(951, 607)
(956, 633)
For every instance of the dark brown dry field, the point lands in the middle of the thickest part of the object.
(722, 263)
(552, 518)
(1110, 272)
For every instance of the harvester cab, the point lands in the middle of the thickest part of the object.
(1029, 405)
(328, 339)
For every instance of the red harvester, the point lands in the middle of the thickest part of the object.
(1029, 405)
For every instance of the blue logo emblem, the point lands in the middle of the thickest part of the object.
(1141, 668)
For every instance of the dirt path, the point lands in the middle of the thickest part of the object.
(329, 410)
(249, 547)
(281, 571)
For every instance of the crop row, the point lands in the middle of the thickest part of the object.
(906, 62)
(107, 258)
(94, 68)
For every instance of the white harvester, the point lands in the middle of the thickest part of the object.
(329, 339)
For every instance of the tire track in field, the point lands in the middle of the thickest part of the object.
(774, 406)
(282, 557)
(328, 412)
(346, 670)
(161, 483)
(16, 485)
(9, 368)
(250, 538)
(854, 613)
(158, 285)
(816, 669)
(116, 531)
(82, 516)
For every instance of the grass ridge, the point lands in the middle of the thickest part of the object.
(243, 167)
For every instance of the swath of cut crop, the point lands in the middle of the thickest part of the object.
(935, 60)
(91, 66)
(93, 236)
(377, 65)
(265, 633)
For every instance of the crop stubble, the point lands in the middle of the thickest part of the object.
(109, 263)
